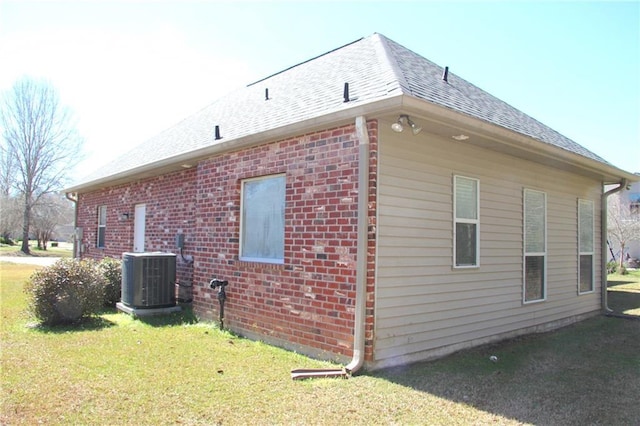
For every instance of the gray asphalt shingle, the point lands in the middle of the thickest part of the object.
(375, 68)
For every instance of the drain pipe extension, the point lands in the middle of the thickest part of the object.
(357, 360)
(603, 238)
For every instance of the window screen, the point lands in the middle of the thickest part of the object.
(466, 222)
(586, 245)
(102, 226)
(262, 227)
(535, 245)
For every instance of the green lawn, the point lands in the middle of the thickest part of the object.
(624, 293)
(176, 370)
(63, 250)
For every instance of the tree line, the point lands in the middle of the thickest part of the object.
(39, 147)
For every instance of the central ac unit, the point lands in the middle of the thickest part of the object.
(148, 280)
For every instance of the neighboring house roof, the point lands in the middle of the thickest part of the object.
(376, 69)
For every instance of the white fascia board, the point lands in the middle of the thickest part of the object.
(337, 118)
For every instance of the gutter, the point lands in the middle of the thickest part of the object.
(603, 241)
(361, 265)
(235, 142)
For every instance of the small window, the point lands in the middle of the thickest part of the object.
(102, 225)
(262, 219)
(586, 246)
(535, 246)
(466, 246)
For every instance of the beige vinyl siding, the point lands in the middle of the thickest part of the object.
(424, 306)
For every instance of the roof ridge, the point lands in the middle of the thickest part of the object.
(393, 62)
(304, 62)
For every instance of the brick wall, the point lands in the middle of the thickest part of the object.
(170, 206)
(308, 302)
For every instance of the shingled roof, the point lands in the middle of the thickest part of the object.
(376, 69)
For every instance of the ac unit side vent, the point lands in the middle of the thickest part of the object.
(148, 280)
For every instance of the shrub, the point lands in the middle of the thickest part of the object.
(612, 267)
(66, 291)
(111, 270)
(7, 241)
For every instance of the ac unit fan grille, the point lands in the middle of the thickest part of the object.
(148, 281)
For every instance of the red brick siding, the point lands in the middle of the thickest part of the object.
(170, 207)
(309, 300)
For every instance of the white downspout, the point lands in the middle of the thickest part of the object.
(363, 246)
(603, 238)
(357, 360)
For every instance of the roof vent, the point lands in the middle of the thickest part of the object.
(445, 74)
(266, 94)
(217, 133)
(346, 92)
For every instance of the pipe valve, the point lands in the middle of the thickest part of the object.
(222, 295)
(220, 285)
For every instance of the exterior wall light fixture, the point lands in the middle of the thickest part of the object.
(403, 120)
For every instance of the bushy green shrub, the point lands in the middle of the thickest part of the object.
(66, 291)
(111, 270)
(612, 267)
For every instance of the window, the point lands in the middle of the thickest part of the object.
(585, 246)
(535, 245)
(102, 225)
(262, 219)
(466, 222)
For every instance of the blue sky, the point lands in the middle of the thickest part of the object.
(132, 69)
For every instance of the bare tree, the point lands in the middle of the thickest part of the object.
(8, 216)
(623, 223)
(41, 140)
(7, 171)
(51, 211)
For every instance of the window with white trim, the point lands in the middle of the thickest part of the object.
(535, 246)
(102, 226)
(262, 219)
(466, 222)
(586, 251)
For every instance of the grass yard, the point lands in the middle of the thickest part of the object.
(64, 249)
(624, 293)
(175, 370)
